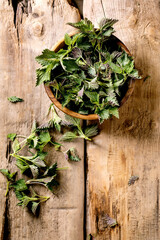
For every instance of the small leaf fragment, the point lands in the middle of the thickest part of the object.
(16, 146)
(12, 136)
(15, 99)
(71, 154)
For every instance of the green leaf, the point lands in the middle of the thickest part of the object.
(22, 165)
(44, 137)
(16, 146)
(93, 96)
(19, 195)
(34, 170)
(91, 130)
(114, 111)
(56, 119)
(67, 39)
(34, 126)
(106, 23)
(71, 154)
(15, 99)
(34, 208)
(115, 67)
(38, 162)
(46, 57)
(20, 185)
(70, 65)
(12, 136)
(51, 171)
(48, 182)
(93, 84)
(109, 32)
(72, 120)
(104, 114)
(42, 155)
(84, 25)
(8, 175)
(134, 74)
(44, 74)
(68, 136)
(92, 71)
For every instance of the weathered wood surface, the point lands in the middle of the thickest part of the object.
(129, 146)
(26, 28)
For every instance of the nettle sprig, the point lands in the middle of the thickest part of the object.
(34, 164)
(88, 74)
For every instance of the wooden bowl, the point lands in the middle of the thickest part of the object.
(60, 44)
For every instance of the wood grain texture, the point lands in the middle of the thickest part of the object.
(26, 28)
(128, 146)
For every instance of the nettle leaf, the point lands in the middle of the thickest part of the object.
(8, 175)
(108, 32)
(92, 71)
(48, 182)
(56, 119)
(20, 185)
(84, 25)
(76, 52)
(114, 111)
(46, 57)
(15, 99)
(103, 114)
(70, 65)
(42, 155)
(51, 171)
(68, 136)
(72, 120)
(67, 39)
(22, 165)
(16, 146)
(44, 74)
(38, 162)
(34, 126)
(93, 96)
(91, 130)
(134, 74)
(12, 136)
(71, 154)
(115, 67)
(93, 84)
(35, 206)
(19, 195)
(44, 137)
(106, 23)
(34, 170)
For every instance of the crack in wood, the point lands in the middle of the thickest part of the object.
(20, 7)
(8, 151)
(157, 208)
(6, 223)
(103, 8)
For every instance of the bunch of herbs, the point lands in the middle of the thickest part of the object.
(34, 164)
(89, 74)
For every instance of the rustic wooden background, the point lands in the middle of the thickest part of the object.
(125, 147)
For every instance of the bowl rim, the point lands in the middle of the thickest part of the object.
(59, 44)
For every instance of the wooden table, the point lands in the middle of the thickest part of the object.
(97, 186)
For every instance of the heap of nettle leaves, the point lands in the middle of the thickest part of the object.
(88, 74)
(34, 165)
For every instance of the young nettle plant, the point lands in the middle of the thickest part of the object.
(89, 74)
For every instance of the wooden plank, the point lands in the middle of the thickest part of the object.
(26, 28)
(128, 146)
